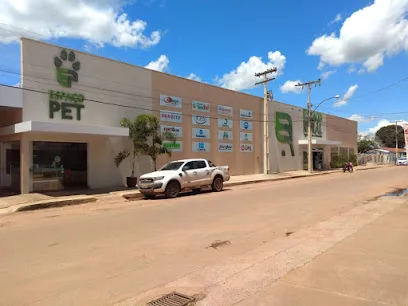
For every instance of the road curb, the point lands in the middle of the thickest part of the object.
(136, 195)
(54, 204)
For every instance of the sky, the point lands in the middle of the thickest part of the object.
(357, 48)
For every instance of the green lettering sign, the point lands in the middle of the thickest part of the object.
(317, 122)
(284, 129)
(66, 110)
(66, 102)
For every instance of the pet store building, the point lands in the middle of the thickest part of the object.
(61, 128)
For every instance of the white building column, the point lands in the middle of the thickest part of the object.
(26, 156)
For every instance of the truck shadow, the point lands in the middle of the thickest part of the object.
(190, 193)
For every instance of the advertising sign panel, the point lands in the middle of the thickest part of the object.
(200, 120)
(245, 125)
(225, 123)
(245, 113)
(243, 136)
(170, 101)
(201, 147)
(224, 110)
(171, 116)
(225, 147)
(247, 148)
(201, 133)
(200, 106)
(224, 135)
(173, 147)
(175, 130)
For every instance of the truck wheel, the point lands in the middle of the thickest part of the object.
(172, 189)
(217, 184)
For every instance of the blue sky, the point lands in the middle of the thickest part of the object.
(224, 42)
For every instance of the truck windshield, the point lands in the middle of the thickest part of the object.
(172, 166)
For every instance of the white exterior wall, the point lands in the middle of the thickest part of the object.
(101, 80)
(277, 162)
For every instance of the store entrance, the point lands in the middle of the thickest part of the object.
(317, 160)
(59, 165)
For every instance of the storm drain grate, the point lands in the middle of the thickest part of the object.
(172, 299)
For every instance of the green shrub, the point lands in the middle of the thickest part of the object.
(338, 161)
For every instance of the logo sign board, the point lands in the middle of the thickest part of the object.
(225, 123)
(317, 124)
(247, 148)
(243, 136)
(177, 131)
(200, 106)
(224, 135)
(225, 147)
(201, 133)
(284, 130)
(69, 104)
(224, 110)
(200, 120)
(170, 101)
(245, 113)
(245, 125)
(201, 147)
(171, 116)
(173, 146)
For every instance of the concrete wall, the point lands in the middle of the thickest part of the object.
(102, 82)
(185, 92)
(344, 130)
(10, 115)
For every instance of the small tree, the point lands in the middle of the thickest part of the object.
(136, 134)
(365, 145)
(154, 140)
(147, 139)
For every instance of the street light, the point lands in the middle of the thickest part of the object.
(309, 136)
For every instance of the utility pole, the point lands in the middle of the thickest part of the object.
(265, 113)
(396, 139)
(309, 121)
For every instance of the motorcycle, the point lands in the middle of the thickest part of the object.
(348, 167)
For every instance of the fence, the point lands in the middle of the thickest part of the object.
(379, 159)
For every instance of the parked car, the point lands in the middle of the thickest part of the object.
(402, 161)
(180, 175)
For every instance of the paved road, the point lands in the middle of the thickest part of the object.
(100, 255)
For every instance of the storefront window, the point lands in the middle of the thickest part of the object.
(59, 165)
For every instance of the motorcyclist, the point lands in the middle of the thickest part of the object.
(348, 166)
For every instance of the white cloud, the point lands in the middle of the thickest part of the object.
(367, 36)
(161, 64)
(336, 19)
(193, 76)
(347, 96)
(290, 86)
(325, 75)
(359, 118)
(243, 77)
(98, 22)
(351, 69)
(381, 123)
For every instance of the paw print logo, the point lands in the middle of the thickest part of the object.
(65, 76)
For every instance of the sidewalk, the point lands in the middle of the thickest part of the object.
(34, 201)
(368, 268)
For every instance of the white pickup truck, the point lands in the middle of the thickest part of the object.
(187, 174)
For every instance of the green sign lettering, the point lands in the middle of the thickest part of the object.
(317, 122)
(284, 129)
(66, 102)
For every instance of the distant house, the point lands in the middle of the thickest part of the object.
(387, 151)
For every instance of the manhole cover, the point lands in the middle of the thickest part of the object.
(172, 299)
